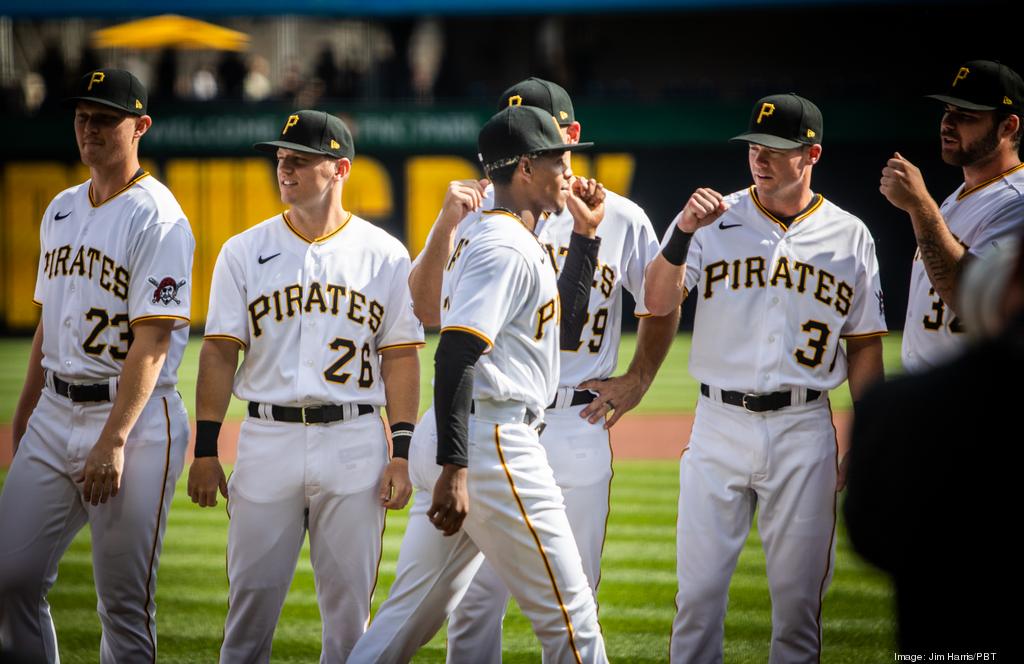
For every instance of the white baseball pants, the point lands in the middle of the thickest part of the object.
(290, 478)
(42, 509)
(784, 464)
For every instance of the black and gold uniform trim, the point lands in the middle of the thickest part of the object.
(515, 216)
(117, 193)
(967, 192)
(476, 333)
(322, 238)
(410, 344)
(156, 535)
(540, 548)
(226, 337)
(816, 202)
(866, 335)
(37, 302)
(832, 536)
(156, 317)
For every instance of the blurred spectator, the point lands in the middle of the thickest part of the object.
(291, 83)
(54, 74)
(204, 84)
(231, 73)
(88, 61)
(325, 69)
(932, 477)
(33, 90)
(426, 50)
(257, 81)
(166, 75)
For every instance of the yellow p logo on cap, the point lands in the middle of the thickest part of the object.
(515, 100)
(97, 77)
(766, 110)
(961, 75)
(334, 144)
(292, 121)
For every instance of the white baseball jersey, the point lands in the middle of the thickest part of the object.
(499, 284)
(977, 217)
(104, 267)
(773, 302)
(628, 243)
(312, 315)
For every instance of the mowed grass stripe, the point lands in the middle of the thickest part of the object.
(636, 594)
(674, 390)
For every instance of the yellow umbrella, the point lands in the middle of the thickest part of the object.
(170, 31)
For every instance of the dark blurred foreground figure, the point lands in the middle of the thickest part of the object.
(932, 476)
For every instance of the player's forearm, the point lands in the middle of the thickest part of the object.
(30, 391)
(427, 271)
(574, 284)
(655, 335)
(138, 377)
(218, 360)
(864, 365)
(663, 286)
(400, 371)
(940, 251)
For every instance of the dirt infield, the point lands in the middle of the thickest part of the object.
(634, 437)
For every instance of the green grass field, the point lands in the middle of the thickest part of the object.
(673, 391)
(636, 592)
(638, 579)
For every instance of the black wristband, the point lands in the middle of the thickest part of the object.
(401, 434)
(207, 432)
(677, 246)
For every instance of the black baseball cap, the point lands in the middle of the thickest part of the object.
(117, 88)
(315, 132)
(984, 85)
(543, 94)
(520, 130)
(783, 122)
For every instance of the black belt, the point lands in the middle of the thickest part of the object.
(82, 393)
(759, 403)
(309, 414)
(579, 397)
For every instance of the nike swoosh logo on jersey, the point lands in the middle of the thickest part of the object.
(722, 225)
(263, 260)
(60, 216)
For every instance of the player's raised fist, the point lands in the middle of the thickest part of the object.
(586, 204)
(462, 197)
(902, 184)
(703, 209)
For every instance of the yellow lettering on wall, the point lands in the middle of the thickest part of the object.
(614, 170)
(426, 181)
(368, 190)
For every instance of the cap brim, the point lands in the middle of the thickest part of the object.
(961, 103)
(768, 140)
(568, 146)
(272, 146)
(71, 101)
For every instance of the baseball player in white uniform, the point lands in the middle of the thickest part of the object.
(516, 516)
(100, 431)
(319, 301)
(781, 275)
(576, 437)
(980, 132)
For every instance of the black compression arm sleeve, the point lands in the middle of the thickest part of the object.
(574, 285)
(456, 355)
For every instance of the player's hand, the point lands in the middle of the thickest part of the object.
(586, 205)
(450, 503)
(844, 463)
(617, 395)
(463, 197)
(703, 209)
(205, 478)
(903, 185)
(395, 487)
(101, 479)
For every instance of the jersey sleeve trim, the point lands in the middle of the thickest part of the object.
(866, 335)
(476, 333)
(410, 344)
(142, 318)
(643, 315)
(37, 302)
(225, 337)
